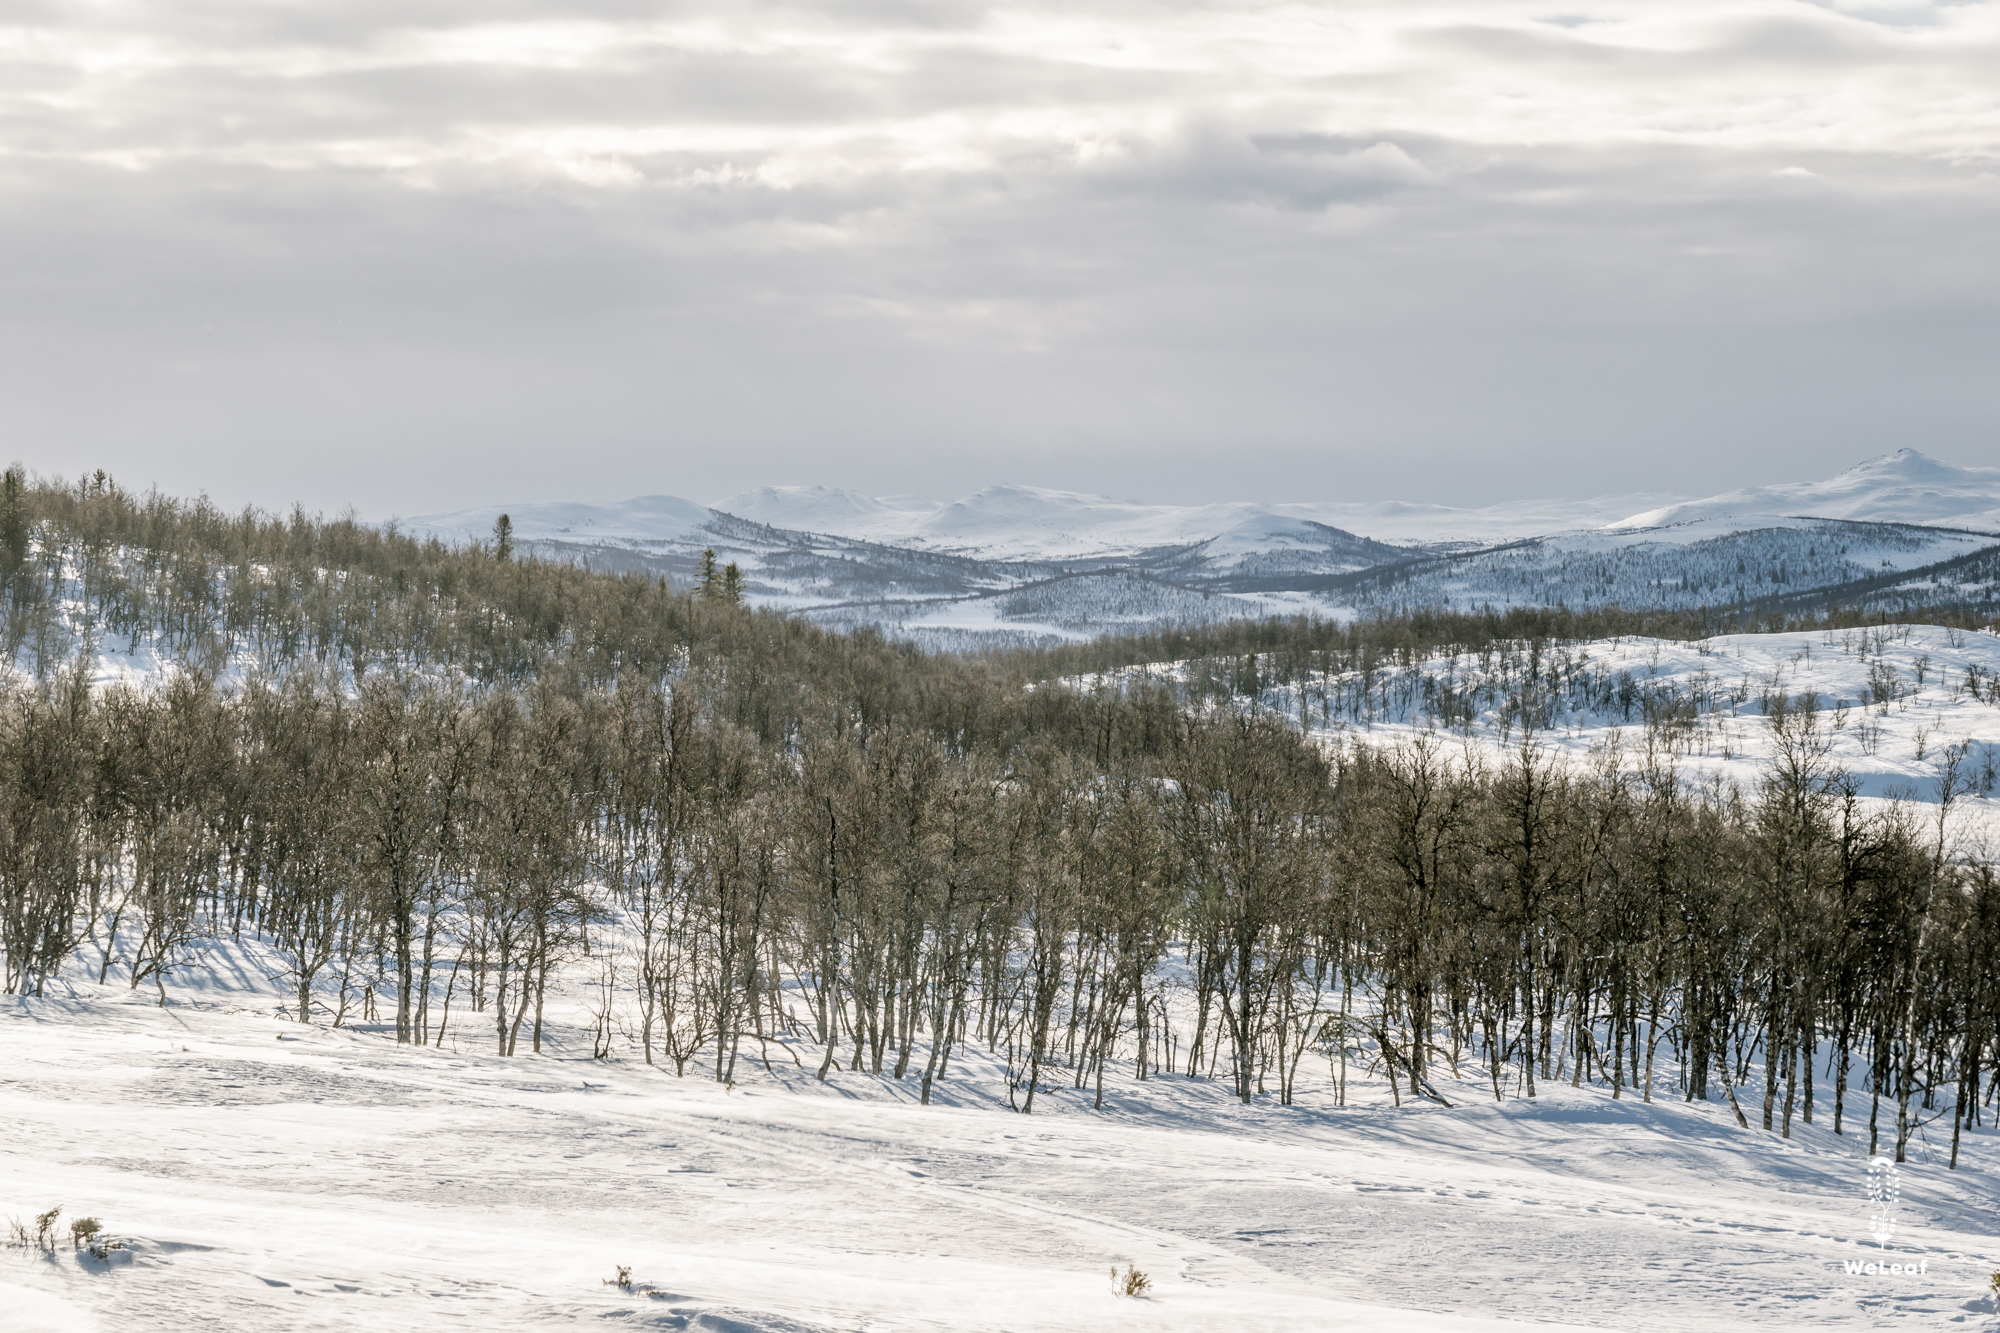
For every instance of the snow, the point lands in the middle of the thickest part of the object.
(1416, 523)
(1701, 562)
(1026, 533)
(924, 569)
(828, 509)
(646, 519)
(1902, 487)
(265, 1174)
(1070, 609)
(1030, 523)
(1892, 702)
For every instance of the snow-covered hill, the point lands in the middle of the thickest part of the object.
(831, 509)
(1700, 562)
(1033, 523)
(642, 522)
(1903, 487)
(1906, 711)
(915, 566)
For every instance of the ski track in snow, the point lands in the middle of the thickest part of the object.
(270, 1175)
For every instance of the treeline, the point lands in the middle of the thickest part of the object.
(91, 565)
(1293, 649)
(1207, 894)
(446, 778)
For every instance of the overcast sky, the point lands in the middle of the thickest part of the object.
(408, 255)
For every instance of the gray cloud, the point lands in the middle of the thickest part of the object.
(420, 257)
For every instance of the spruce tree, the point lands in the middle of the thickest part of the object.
(13, 524)
(711, 579)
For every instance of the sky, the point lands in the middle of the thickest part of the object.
(414, 256)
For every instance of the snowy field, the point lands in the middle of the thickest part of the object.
(265, 1176)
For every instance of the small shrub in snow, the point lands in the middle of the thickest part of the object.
(1131, 1282)
(45, 1228)
(625, 1284)
(87, 1234)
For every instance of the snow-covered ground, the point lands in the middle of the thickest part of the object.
(1071, 609)
(1892, 702)
(1896, 704)
(264, 1175)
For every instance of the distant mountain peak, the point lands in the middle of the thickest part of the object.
(819, 508)
(1906, 486)
(1909, 465)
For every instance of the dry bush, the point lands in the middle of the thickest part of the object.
(87, 1234)
(45, 1229)
(625, 1284)
(1131, 1282)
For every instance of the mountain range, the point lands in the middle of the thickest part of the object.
(1021, 563)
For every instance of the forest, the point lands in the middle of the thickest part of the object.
(438, 780)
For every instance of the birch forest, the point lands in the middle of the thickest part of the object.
(439, 781)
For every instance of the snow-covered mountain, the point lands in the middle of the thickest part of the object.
(1698, 562)
(1024, 561)
(830, 509)
(1037, 524)
(1903, 487)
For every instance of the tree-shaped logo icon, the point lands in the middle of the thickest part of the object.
(1883, 1192)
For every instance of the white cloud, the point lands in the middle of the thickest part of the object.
(144, 81)
(1354, 238)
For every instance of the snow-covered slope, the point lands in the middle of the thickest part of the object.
(831, 509)
(1420, 524)
(266, 1175)
(1037, 524)
(1700, 562)
(926, 569)
(1902, 709)
(646, 519)
(1903, 487)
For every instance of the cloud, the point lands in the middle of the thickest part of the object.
(405, 256)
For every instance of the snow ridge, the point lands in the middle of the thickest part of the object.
(921, 568)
